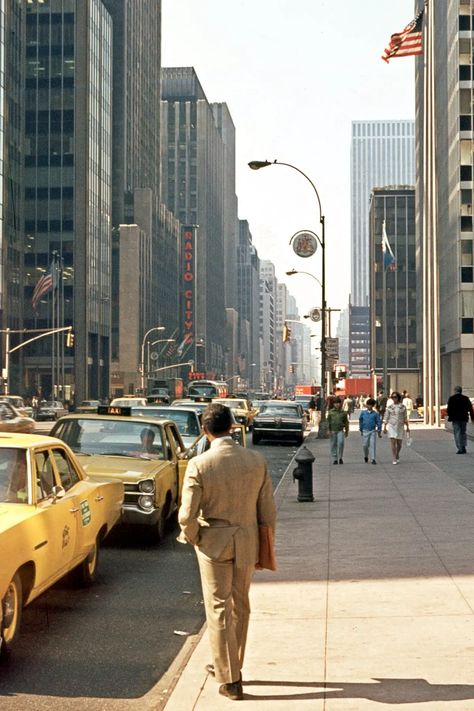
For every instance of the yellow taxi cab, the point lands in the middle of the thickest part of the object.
(145, 453)
(242, 410)
(53, 518)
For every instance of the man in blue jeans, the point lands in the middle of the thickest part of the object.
(338, 425)
(370, 424)
(459, 411)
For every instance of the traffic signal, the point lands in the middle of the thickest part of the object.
(292, 368)
(286, 333)
(70, 339)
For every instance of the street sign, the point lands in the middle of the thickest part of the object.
(305, 243)
(332, 347)
(315, 314)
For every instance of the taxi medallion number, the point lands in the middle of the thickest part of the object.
(85, 513)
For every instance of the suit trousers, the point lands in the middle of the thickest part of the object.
(226, 600)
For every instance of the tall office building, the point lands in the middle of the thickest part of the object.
(194, 162)
(68, 193)
(11, 189)
(393, 291)
(248, 294)
(445, 236)
(267, 321)
(382, 154)
(136, 159)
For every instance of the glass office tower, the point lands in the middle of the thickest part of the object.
(67, 194)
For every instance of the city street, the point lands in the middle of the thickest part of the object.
(114, 641)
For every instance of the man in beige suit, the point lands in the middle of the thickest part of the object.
(227, 493)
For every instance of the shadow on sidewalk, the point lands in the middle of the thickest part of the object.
(387, 691)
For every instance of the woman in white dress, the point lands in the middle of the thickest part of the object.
(395, 419)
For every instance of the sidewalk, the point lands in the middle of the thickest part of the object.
(372, 604)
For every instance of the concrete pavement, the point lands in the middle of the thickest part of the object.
(372, 605)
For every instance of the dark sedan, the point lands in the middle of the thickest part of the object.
(279, 420)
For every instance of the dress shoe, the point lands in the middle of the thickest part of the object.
(341, 462)
(366, 459)
(233, 691)
(373, 461)
(335, 461)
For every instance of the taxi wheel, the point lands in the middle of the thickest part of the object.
(86, 572)
(12, 609)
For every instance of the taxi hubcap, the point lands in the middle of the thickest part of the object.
(10, 612)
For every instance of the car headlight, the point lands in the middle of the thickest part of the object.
(146, 502)
(147, 486)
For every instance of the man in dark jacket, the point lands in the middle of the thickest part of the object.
(459, 411)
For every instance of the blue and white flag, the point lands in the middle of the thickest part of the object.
(388, 256)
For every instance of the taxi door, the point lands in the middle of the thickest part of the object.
(177, 447)
(56, 523)
(85, 498)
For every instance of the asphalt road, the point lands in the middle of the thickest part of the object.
(105, 648)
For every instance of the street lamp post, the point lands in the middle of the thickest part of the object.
(153, 343)
(142, 363)
(256, 165)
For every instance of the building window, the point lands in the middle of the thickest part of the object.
(464, 72)
(464, 23)
(464, 123)
(467, 325)
(466, 275)
(466, 223)
(466, 172)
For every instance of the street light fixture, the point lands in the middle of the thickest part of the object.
(142, 363)
(256, 165)
(153, 343)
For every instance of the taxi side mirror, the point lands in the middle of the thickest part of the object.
(58, 492)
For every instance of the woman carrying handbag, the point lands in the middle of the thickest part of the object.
(394, 421)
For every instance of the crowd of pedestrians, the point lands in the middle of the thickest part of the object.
(392, 414)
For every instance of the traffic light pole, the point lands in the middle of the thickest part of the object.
(9, 350)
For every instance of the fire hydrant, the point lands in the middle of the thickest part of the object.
(304, 474)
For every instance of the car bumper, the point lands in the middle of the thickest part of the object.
(133, 515)
(277, 433)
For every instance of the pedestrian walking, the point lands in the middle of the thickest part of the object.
(370, 426)
(408, 402)
(395, 419)
(347, 406)
(338, 425)
(459, 411)
(381, 403)
(227, 494)
(312, 411)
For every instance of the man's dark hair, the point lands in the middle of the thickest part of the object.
(337, 400)
(370, 401)
(458, 389)
(217, 418)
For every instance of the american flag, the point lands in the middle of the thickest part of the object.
(46, 283)
(408, 42)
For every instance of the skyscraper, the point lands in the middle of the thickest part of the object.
(445, 145)
(68, 191)
(382, 154)
(193, 166)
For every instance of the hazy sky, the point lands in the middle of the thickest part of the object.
(294, 74)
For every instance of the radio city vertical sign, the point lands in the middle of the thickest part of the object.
(188, 285)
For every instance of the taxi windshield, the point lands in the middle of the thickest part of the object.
(125, 438)
(279, 411)
(13, 476)
(186, 422)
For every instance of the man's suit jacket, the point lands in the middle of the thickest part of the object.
(227, 493)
